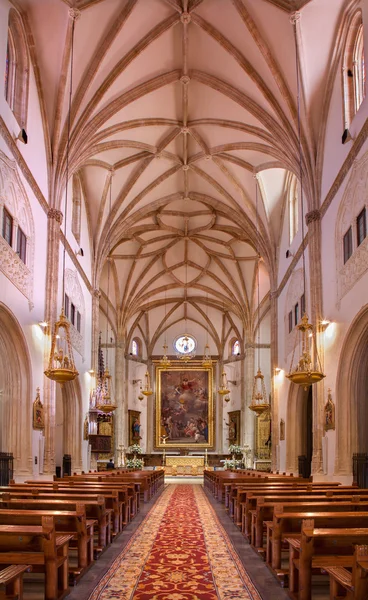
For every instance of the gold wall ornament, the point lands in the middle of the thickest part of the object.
(223, 388)
(259, 402)
(61, 366)
(329, 412)
(147, 390)
(38, 412)
(308, 368)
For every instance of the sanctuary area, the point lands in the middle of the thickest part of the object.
(183, 299)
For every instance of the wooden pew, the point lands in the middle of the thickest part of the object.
(40, 547)
(320, 548)
(114, 498)
(11, 582)
(287, 524)
(285, 497)
(354, 585)
(95, 509)
(71, 523)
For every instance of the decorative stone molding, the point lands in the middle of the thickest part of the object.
(295, 17)
(185, 79)
(54, 213)
(352, 203)
(14, 197)
(313, 215)
(185, 18)
(74, 13)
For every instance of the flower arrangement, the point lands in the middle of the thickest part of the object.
(235, 449)
(135, 449)
(134, 463)
(231, 463)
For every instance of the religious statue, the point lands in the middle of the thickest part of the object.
(38, 412)
(329, 412)
(282, 429)
(136, 427)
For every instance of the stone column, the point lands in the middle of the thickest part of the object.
(313, 221)
(54, 221)
(249, 417)
(96, 295)
(120, 396)
(274, 389)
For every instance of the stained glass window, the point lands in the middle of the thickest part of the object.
(185, 344)
(236, 348)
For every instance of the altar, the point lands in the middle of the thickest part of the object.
(184, 465)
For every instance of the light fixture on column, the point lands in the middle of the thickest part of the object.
(61, 367)
(224, 387)
(207, 360)
(259, 402)
(165, 362)
(146, 389)
(307, 369)
(105, 403)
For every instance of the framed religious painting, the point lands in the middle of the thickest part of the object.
(233, 424)
(184, 406)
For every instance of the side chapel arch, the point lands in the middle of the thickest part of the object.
(16, 398)
(351, 394)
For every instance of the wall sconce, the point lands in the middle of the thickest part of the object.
(232, 382)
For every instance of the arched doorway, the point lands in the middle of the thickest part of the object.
(16, 396)
(299, 427)
(69, 424)
(352, 395)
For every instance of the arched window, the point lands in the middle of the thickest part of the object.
(134, 348)
(76, 209)
(16, 69)
(354, 69)
(293, 208)
(236, 348)
(359, 69)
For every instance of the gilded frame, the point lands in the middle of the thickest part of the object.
(167, 383)
(132, 416)
(38, 412)
(234, 416)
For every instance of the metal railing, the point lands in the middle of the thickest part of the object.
(6, 467)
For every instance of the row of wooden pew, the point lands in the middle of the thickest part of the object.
(60, 527)
(300, 528)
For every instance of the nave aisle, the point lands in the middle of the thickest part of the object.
(180, 551)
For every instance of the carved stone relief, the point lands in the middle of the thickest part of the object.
(352, 203)
(13, 196)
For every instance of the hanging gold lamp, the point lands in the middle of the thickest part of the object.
(61, 366)
(165, 362)
(307, 370)
(104, 403)
(147, 390)
(223, 388)
(259, 397)
(207, 360)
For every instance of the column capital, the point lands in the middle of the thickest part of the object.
(56, 214)
(313, 215)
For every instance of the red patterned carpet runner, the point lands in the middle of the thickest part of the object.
(179, 552)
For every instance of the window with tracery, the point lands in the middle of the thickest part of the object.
(353, 69)
(293, 210)
(16, 71)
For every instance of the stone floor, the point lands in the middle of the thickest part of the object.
(267, 586)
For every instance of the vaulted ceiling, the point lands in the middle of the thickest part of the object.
(176, 105)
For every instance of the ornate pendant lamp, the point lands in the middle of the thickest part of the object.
(61, 367)
(147, 390)
(259, 402)
(104, 400)
(307, 369)
(207, 360)
(224, 387)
